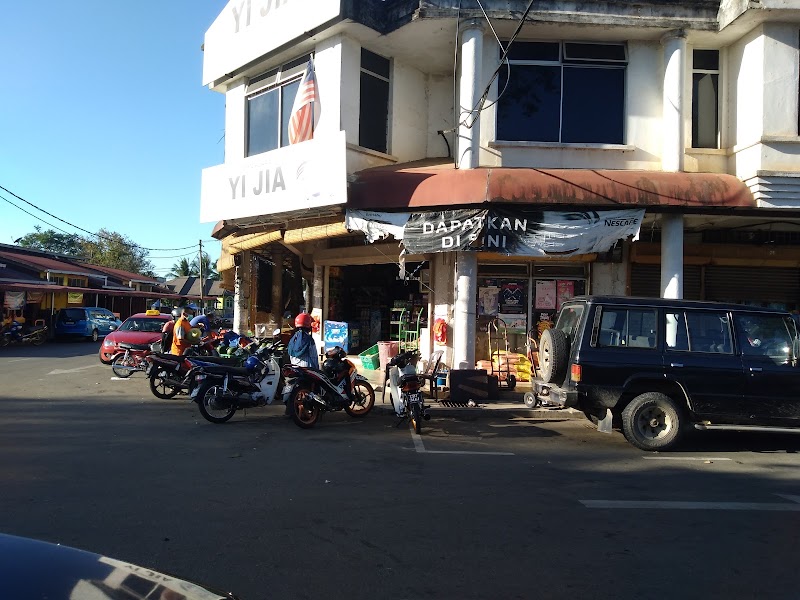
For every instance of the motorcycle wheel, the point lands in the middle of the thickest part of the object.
(305, 415)
(364, 400)
(205, 398)
(39, 338)
(416, 418)
(159, 386)
(122, 367)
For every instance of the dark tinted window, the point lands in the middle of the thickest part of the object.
(373, 113)
(544, 51)
(706, 60)
(375, 64)
(73, 314)
(530, 108)
(627, 327)
(592, 105)
(262, 122)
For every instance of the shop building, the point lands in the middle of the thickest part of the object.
(455, 175)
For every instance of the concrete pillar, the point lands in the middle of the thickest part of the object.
(277, 287)
(672, 256)
(318, 284)
(674, 109)
(464, 314)
(468, 153)
(469, 87)
(241, 293)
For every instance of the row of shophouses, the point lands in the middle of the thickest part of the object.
(36, 284)
(475, 163)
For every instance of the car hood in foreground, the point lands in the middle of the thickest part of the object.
(33, 569)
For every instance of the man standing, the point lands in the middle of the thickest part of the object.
(180, 333)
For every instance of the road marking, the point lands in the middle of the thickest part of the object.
(75, 370)
(419, 446)
(681, 505)
(19, 359)
(685, 458)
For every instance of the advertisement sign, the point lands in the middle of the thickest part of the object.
(74, 298)
(513, 297)
(545, 294)
(564, 291)
(520, 231)
(14, 300)
(335, 334)
(300, 176)
(246, 30)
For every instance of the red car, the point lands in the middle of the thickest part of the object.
(141, 328)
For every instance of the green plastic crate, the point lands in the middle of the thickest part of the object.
(369, 358)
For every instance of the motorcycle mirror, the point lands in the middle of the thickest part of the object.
(276, 333)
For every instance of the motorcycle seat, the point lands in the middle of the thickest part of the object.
(406, 378)
(125, 346)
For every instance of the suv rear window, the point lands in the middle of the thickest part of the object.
(73, 314)
(568, 319)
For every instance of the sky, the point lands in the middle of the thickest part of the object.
(105, 123)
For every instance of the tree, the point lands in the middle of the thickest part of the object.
(111, 249)
(52, 241)
(182, 268)
(209, 267)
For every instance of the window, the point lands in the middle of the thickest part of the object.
(699, 331)
(74, 282)
(373, 115)
(705, 99)
(627, 328)
(563, 92)
(269, 105)
(770, 336)
(568, 319)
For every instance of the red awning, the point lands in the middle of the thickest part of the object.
(415, 186)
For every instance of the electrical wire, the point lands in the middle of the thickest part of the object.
(106, 238)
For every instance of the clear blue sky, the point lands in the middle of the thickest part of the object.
(104, 120)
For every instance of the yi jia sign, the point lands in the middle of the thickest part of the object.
(519, 231)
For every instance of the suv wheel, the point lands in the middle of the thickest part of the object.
(553, 355)
(652, 421)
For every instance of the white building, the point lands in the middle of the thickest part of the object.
(686, 111)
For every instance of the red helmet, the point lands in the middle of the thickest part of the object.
(302, 320)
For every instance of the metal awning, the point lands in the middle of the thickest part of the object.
(416, 186)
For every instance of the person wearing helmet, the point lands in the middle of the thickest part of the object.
(180, 332)
(166, 330)
(302, 348)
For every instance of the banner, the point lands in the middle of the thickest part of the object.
(376, 225)
(74, 298)
(14, 300)
(520, 231)
(35, 297)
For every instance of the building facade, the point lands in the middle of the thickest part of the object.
(475, 163)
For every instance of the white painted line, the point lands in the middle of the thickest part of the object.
(420, 447)
(76, 370)
(685, 458)
(19, 359)
(659, 504)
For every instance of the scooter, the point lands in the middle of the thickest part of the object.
(221, 390)
(405, 389)
(13, 335)
(337, 386)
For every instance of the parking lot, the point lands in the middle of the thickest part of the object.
(352, 508)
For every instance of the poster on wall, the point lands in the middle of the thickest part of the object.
(74, 298)
(514, 323)
(336, 334)
(543, 320)
(14, 300)
(488, 300)
(564, 291)
(546, 294)
(512, 298)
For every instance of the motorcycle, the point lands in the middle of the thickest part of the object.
(13, 335)
(170, 374)
(134, 358)
(221, 390)
(406, 390)
(337, 386)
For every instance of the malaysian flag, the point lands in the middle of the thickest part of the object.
(305, 108)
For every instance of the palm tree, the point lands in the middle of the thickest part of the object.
(182, 268)
(209, 267)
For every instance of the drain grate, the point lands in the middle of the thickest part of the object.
(451, 404)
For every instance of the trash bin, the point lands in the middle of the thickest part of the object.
(387, 350)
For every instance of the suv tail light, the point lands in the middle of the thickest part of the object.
(575, 373)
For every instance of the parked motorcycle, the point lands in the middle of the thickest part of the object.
(221, 390)
(406, 389)
(13, 335)
(170, 374)
(132, 359)
(337, 386)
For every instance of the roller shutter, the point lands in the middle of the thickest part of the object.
(646, 281)
(753, 284)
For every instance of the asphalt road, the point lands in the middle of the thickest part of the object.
(503, 507)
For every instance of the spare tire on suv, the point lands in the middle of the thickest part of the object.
(553, 355)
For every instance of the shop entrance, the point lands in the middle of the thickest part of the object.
(375, 304)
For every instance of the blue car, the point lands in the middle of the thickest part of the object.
(90, 322)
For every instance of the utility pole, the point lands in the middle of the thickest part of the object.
(202, 283)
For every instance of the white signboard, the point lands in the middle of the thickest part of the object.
(248, 29)
(305, 175)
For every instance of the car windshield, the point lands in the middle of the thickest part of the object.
(142, 324)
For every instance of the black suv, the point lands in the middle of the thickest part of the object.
(657, 366)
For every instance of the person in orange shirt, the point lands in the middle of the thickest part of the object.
(180, 333)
